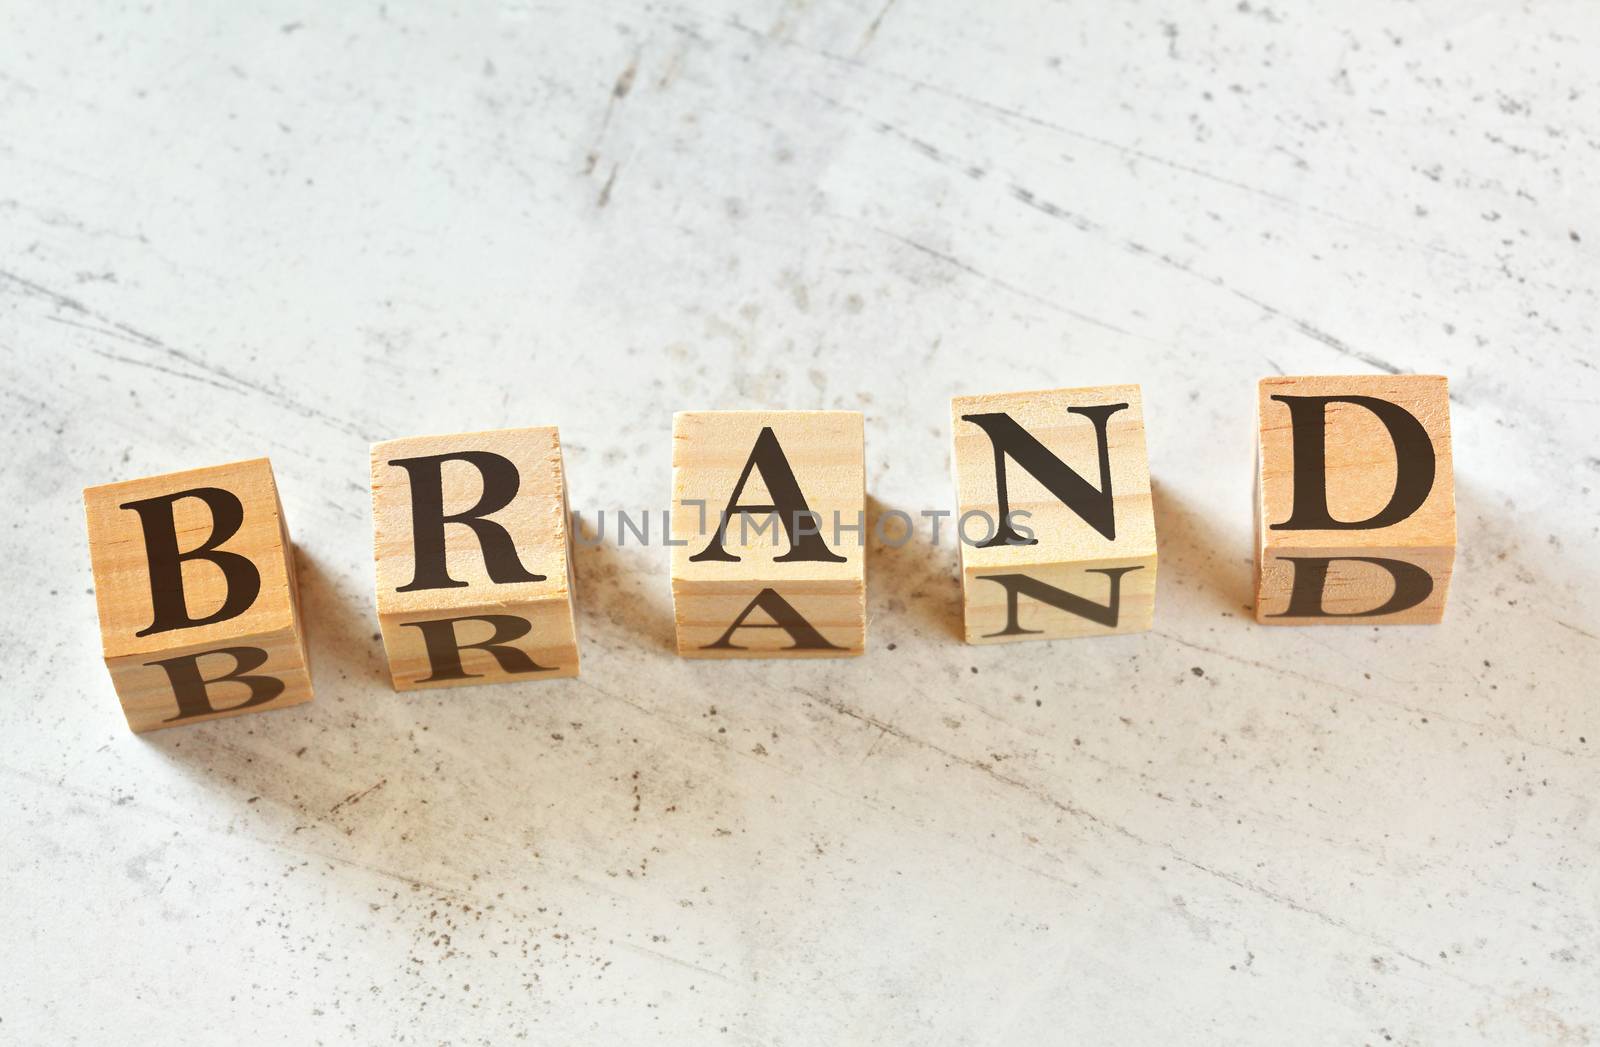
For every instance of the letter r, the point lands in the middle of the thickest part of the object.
(428, 519)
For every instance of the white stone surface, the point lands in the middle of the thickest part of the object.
(231, 230)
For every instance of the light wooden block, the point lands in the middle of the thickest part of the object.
(1090, 569)
(195, 585)
(1386, 482)
(463, 602)
(762, 595)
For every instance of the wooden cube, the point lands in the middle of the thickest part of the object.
(473, 555)
(1355, 500)
(195, 584)
(1055, 523)
(769, 533)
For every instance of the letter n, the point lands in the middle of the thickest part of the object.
(1096, 505)
(1017, 586)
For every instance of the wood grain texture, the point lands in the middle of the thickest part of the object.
(711, 450)
(1067, 550)
(124, 599)
(240, 230)
(1361, 468)
(535, 519)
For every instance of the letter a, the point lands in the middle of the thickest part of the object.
(784, 616)
(805, 544)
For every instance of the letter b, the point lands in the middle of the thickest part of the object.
(165, 559)
(193, 572)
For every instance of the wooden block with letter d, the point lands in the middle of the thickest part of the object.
(195, 584)
(1055, 523)
(1355, 500)
(473, 556)
(769, 533)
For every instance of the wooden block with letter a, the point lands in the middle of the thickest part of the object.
(1055, 522)
(473, 558)
(769, 533)
(195, 584)
(1355, 500)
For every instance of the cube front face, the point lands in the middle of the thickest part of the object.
(196, 592)
(468, 645)
(472, 548)
(1355, 500)
(1068, 469)
(787, 578)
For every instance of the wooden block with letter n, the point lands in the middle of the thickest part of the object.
(1355, 500)
(769, 533)
(195, 584)
(1055, 522)
(473, 558)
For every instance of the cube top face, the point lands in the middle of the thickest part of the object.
(727, 458)
(1354, 455)
(504, 541)
(989, 432)
(230, 509)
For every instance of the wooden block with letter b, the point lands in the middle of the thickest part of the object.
(473, 552)
(1055, 522)
(195, 585)
(1355, 500)
(769, 533)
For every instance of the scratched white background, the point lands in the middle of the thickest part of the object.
(294, 229)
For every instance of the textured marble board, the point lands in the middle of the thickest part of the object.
(296, 232)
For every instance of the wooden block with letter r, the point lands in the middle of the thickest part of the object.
(195, 585)
(1055, 522)
(473, 550)
(769, 533)
(1355, 500)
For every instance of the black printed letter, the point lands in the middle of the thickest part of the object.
(1414, 464)
(1023, 585)
(166, 561)
(191, 689)
(500, 482)
(1009, 438)
(444, 650)
(1412, 585)
(787, 501)
(784, 616)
